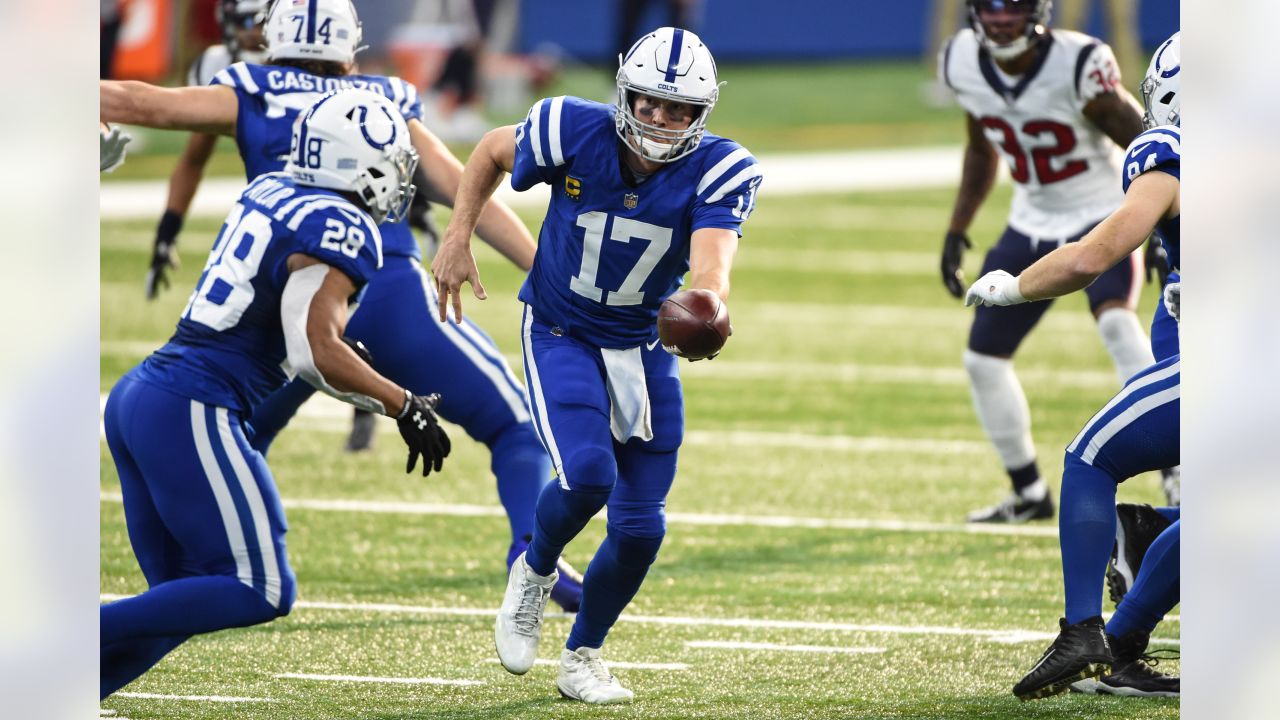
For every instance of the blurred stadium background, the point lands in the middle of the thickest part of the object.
(817, 563)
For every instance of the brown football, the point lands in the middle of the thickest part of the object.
(693, 324)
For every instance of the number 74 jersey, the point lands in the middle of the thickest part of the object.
(611, 250)
(1066, 171)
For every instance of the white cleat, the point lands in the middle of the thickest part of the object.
(519, 623)
(583, 676)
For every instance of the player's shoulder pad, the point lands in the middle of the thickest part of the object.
(1159, 148)
(212, 61)
(555, 127)
(329, 226)
(957, 46)
(242, 76)
(727, 168)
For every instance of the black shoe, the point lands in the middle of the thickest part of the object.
(1133, 673)
(1079, 652)
(1137, 526)
(364, 425)
(1014, 509)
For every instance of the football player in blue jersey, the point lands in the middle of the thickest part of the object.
(1135, 432)
(641, 194)
(204, 518)
(312, 45)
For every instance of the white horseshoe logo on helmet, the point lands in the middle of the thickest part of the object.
(363, 112)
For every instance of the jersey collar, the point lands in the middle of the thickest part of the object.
(992, 76)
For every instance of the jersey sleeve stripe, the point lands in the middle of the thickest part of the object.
(1169, 139)
(246, 80)
(224, 77)
(397, 94)
(752, 171)
(1081, 60)
(410, 98)
(721, 168)
(318, 203)
(553, 130)
(535, 132)
(376, 234)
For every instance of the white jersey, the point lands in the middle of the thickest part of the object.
(1066, 171)
(212, 61)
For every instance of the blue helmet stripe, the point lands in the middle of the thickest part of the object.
(311, 22)
(677, 41)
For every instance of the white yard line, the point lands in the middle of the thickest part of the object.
(615, 664)
(679, 518)
(1005, 636)
(382, 680)
(192, 698)
(736, 645)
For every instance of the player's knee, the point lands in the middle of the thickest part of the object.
(633, 550)
(288, 594)
(981, 366)
(593, 468)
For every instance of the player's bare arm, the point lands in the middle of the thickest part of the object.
(455, 263)
(1117, 114)
(182, 188)
(208, 109)
(497, 225)
(977, 175)
(711, 252)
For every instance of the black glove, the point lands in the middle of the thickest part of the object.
(164, 253)
(422, 432)
(1156, 260)
(952, 261)
(359, 349)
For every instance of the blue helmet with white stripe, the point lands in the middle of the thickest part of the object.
(313, 30)
(672, 64)
(1162, 87)
(356, 141)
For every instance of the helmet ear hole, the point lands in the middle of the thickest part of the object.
(376, 173)
(1167, 98)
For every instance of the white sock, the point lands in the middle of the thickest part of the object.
(1036, 491)
(1002, 408)
(1124, 339)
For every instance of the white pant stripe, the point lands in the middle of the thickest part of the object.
(1130, 414)
(1123, 395)
(537, 402)
(221, 493)
(257, 508)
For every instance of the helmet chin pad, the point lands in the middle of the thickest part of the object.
(1008, 51)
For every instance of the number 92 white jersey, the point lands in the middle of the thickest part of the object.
(1066, 171)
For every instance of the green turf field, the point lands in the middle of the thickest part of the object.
(832, 453)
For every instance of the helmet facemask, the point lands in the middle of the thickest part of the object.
(387, 188)
(1036, 14)
(668, 64)
(655, 143)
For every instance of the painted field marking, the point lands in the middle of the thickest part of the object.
(192, 698)
(381, 680)
(619, 664)
(736, 645)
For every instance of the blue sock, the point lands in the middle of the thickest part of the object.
(1087, 533)
(1172, 514)
(1156, 589)
(124, 662)
(184, 607)
(611, 581)
(561, 515)
(522, 468)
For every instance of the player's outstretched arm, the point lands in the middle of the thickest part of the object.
(977, 175)
(183, 184)
(1074, 266)
(1117, 114)
(497, 225)
(209, 109)
(313, 314)
(454, 263)
(711, 252)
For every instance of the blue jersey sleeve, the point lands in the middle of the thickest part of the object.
(337, 234)
(549, 138)
(406, 97)
(726, 192)
(1156, 149)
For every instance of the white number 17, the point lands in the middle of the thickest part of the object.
(624, 229)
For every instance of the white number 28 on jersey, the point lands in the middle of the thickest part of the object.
(227, 288)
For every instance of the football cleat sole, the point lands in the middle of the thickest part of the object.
(1092, 670)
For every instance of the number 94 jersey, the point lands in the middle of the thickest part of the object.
(610, 251)
(229, 346)
(1065, 170)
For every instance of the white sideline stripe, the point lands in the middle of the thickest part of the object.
(384, 680)
(619, 664)
(736, 645)
(193, 698)
(1003, 636)
(679, 518)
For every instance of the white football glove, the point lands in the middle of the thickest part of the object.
(1173, 299)
(112, 145)
(995, 288)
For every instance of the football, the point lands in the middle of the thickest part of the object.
(693, 324)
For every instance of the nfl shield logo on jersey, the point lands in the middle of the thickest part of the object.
(629, 201)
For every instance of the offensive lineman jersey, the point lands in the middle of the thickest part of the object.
(610, 251)
(272, 96)
(1159, 149)
(229, 347)
(1064, 168)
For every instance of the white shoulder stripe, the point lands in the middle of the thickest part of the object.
(553, 123)
(535, 135)
(224, 77)
(721, 168)
(411, 97)
(1172, 141)
(397, 92)
(320, 203)
(246, 80)
(747, 173)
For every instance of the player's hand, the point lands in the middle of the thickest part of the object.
(454, 265)
(111, 144)
(164, 253)
(421, 431)
(1156, 260)
(953, 248)
(1173, 300)
(995, 288)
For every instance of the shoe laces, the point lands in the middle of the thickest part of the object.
(596, 667)
(528, 614)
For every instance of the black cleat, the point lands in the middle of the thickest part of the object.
(1133, 673)
(1137, 526)
(1078, 653)
(364, 426)
(1014, 509)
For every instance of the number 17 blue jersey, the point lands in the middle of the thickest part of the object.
(610, 250)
